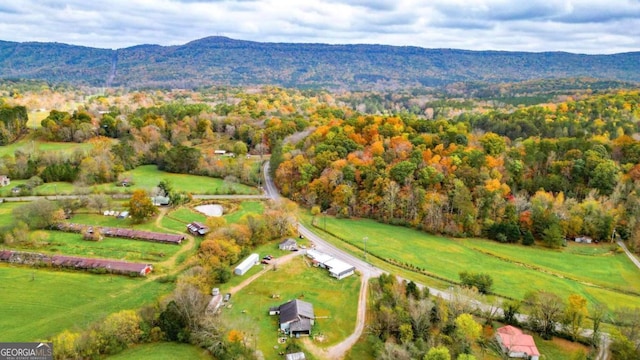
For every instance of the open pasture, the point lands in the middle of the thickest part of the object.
(162, 351)
(515, 269)
(28, 145)
(39, 303)
(147, 177)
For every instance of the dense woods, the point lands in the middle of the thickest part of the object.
(552, 171)
(220, 60)
(13, 122)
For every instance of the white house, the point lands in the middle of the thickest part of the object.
(517, 344)
(4, 180)
(246, 264)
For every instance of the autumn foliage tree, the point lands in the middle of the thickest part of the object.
(140, 206)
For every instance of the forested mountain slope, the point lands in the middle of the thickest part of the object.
(219, 60)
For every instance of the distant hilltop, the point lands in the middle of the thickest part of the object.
(223, 61)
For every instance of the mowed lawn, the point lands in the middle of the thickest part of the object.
(335, 303)
(594, 277)
(148, 176)
(39, 303)
(144, 177)
(111, 248)
(6, 212)
(28, 145)
(162, 351)
(246, 208)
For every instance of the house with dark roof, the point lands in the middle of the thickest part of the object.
(289, 244)
(296, 317)
(197, 228)
(517, 344)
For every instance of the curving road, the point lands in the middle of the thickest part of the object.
(629, 254)
(368, 270)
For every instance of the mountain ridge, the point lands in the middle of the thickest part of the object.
(218, 60)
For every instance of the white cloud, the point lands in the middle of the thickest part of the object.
(586, 26)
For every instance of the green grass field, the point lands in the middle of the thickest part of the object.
(58, 242)
(596, 277)
(39, 303)
(334, 302)
(6, 209)
(162, 351)
(28, 145)
(148, 176)
(35, 118)
(144, 177)
(246, 207)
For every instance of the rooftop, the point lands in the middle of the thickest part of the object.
(515, 340)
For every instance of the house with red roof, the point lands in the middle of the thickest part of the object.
(517, 344)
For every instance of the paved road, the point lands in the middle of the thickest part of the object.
(629, 254)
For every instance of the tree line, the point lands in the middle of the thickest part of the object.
(459, 178)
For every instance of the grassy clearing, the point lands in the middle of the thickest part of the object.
(148, 176)
(29, 145)
(6, 209)
(39, 303)
(187, 215)
(334, 301)
(144, 177)
(246, 207)
(162, 351)
(447, 257)
(557, 348)
(35, 118)
(58, 242)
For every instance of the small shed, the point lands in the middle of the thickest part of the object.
(197, 228)
(160, 200)
(295, 356)
(289, 244)
(220, 152)
(274, 310)
(123, 215)
(246, 264)
(4, 180)
(584, 240)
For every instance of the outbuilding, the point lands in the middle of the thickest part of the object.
(246, 264)
(339, 269)
(289, 244)
(584, 240)
(197, 228)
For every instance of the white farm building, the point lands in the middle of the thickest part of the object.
(246, 264)
(337, 268)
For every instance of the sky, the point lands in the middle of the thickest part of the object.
(578, 26)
